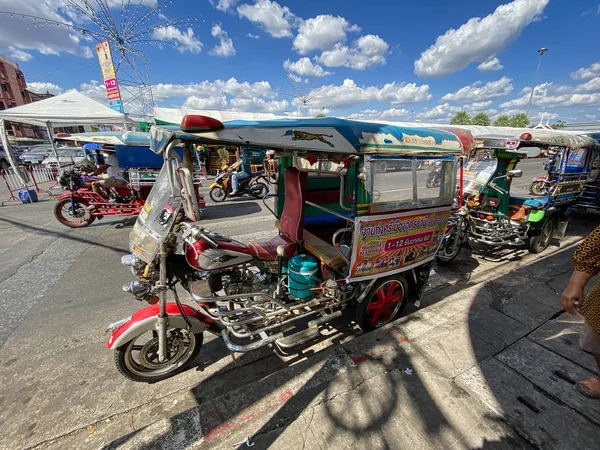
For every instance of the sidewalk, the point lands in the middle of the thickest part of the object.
(490, 364)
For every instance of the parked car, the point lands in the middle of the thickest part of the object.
(75, 155)
(4, 164)
(384, 165)
(36, 154)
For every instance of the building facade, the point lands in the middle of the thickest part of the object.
(14, 92)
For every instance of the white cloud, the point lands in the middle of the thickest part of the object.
(592, 85)
(322, 33)
(478, 39)
(477, 92)
(275, 19)
(492, 64)
(388, 114)
(259, 104)
(225, 47)
(478, 106)
(216, 102)
(206, 89)
(19, 55)
(348, 94)
(593, 70)
(549, 95)
(305, 67)
(253, 36)
(438, 112)
(24, 34)
(41, 87)
(366, 51)
(224, 5)
(403, 93)
(184, 41)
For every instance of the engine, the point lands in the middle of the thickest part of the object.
(236, 281)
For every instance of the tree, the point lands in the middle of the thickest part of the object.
(519, 121)
(461, 118)
(320, 115)
(559, 124)
(502, 121)
(481, 119)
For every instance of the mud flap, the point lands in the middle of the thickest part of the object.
(561, 229)
(419, 282)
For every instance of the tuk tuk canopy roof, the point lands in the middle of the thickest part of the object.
(110, 137)
(539, 137)
(323, 135)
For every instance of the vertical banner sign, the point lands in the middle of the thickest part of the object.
(394, 243)
(108, 75)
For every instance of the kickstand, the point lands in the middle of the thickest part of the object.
(233, 358)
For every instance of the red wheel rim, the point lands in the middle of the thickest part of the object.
(385, 303)
(65, 213)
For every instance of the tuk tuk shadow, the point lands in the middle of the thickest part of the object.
(231, 209)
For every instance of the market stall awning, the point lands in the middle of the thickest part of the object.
(71, 108)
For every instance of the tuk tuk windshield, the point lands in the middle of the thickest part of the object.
(478, 171)
(410, 183)
(156, 218)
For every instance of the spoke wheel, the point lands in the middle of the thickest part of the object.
(447, 254)
(138, 359)
(385, 301)
(218, 194)
(536, 188)
(81, 217)
(538, 244)
(260, 190)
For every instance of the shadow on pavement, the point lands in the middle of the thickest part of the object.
(389, 390)
(232, 210)
(58, 234)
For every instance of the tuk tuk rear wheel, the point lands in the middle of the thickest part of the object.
(383, 304)
(539, 243)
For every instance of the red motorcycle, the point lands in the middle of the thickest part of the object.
(80, 206)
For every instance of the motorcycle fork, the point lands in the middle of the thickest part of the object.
(162, 314)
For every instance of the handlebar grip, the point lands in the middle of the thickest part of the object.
(208, 239)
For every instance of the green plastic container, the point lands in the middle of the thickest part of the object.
(302, 275)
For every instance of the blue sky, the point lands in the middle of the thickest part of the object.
(404, 60)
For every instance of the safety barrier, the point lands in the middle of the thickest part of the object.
(34, 176)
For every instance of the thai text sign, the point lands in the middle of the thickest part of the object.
(393, 243)
(109, 76)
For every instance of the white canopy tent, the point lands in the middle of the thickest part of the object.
(69, 108)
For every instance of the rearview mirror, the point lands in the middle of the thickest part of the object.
(514, 173)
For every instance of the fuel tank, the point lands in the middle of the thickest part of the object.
(202, 256)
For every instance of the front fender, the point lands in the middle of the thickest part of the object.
(147, 319)
(65, 195)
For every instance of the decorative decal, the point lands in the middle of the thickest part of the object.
(304, 136)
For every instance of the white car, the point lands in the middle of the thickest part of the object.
(71, 155)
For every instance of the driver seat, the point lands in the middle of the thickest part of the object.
(291, 225)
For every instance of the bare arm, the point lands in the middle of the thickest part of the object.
(573, 294)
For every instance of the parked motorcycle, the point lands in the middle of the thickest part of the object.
(254, 185)
(456, 235)
(80, 206)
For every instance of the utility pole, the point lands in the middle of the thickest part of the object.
(541, 51)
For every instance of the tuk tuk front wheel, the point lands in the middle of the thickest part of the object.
(383, 304)
(539, 243)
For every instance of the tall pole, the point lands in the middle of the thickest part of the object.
(541, 51)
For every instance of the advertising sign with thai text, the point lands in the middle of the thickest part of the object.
(392, 243)
(109, 76)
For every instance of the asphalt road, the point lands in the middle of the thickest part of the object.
(60, 287)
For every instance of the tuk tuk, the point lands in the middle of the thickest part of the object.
(346, 235)
(499, 219)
